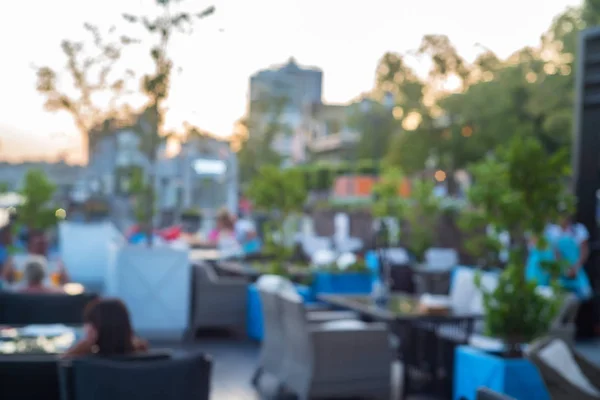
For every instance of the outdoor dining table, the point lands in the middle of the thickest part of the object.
(238, 268)
(204, 254)
(29, 359)
(251, 273)
(427, 356)
(38, 339)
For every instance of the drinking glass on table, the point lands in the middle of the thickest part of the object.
(17, 275)
(55, 278)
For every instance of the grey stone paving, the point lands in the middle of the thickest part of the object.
(234, 361)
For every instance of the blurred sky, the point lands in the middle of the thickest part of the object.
(344, 38)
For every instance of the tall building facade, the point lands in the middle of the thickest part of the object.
(298, 85)
(295, 89)
(310, 129)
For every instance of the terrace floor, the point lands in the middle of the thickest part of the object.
(235, 359)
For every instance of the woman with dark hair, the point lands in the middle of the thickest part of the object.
(108, 331)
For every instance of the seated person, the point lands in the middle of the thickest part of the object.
(35, 275)
(567, 243)
(245, 233)
(108, 331)
(224, 237)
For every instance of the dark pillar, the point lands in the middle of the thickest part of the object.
(586, 160)
(586, 146)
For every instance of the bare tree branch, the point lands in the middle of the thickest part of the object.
(89, 72)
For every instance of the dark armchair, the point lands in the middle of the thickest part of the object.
(28, 309)
(29, 377)
(184, 378)
(65, 368)
(219, 302)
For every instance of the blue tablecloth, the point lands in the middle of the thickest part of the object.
(343, 282)
(517, 378)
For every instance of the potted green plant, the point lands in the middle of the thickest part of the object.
(36, 213)
(282, 194)
(422, 215)
(482, 247)
(335, 278)
(518, 189)
(421, 210)
(191, 219)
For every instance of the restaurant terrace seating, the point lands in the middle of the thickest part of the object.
(487, 394)
(219, 302)
(29, 377)
(335, 358)
(185, 377)
(275, 344)
(566, 374)
(65, 368)
(28, 308)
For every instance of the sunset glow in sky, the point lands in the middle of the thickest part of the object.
(344, 38)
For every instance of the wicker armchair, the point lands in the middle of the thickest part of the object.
(566, 373)
(563, 327)
(487, 394)
(219, 302)
(336, 358)
(274, 341)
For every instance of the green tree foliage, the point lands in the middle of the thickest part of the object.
(422, 214)
(421, 210)
(519, 189)
(485, 248)
(376, 126)
(387, 201)
(36, 212)
(282, 193)
(256, 134)
(142, 192)
(529, 93)
(276, 189)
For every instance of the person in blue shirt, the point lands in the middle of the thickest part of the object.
(567, 242)
(245, 232)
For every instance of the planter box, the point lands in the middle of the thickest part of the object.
(254, 323)
(155, 284)
(343, 282)
(85, 250)
(474, 368)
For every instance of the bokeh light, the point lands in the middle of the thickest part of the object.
(440, 175)
(398, 112)
(412, 121)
